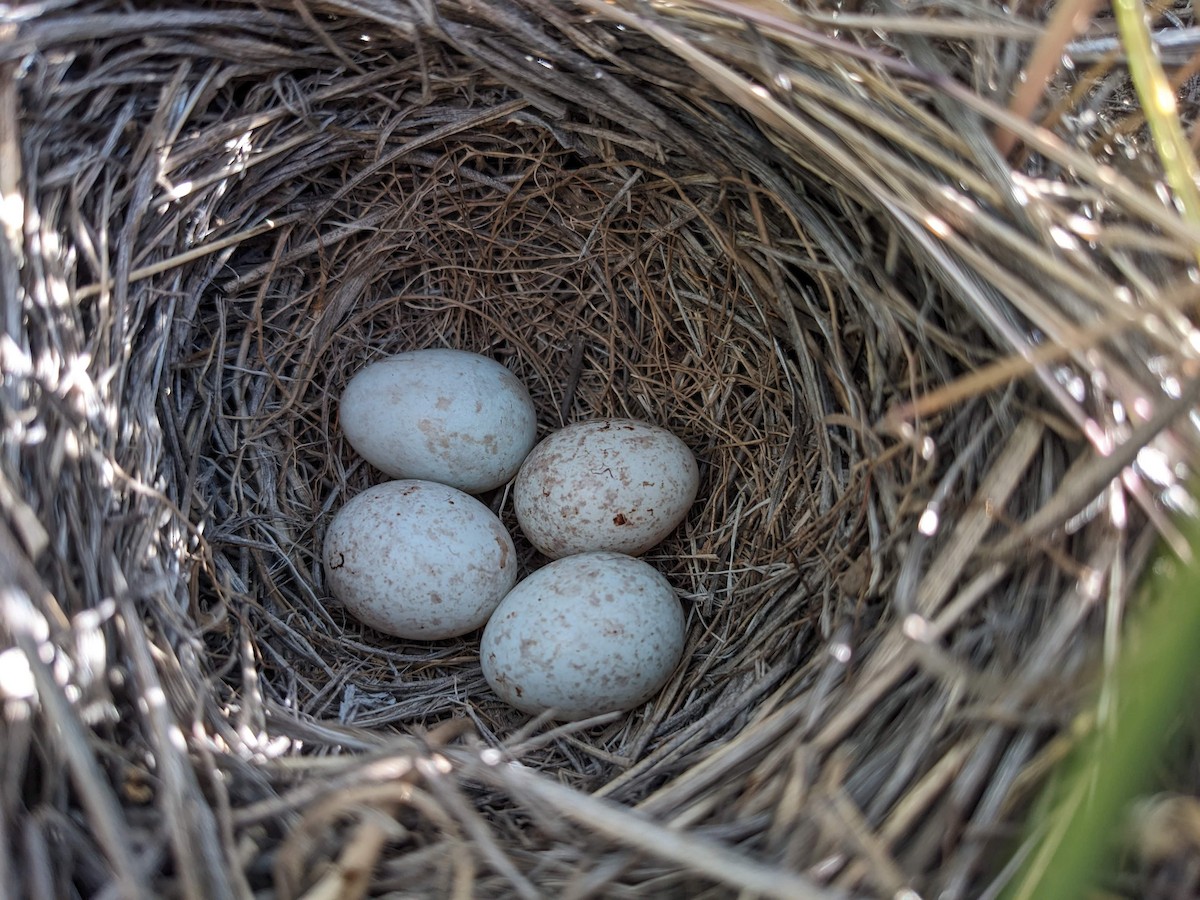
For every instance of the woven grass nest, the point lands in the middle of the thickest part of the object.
(938, 394)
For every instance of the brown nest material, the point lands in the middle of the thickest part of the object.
(939, 400)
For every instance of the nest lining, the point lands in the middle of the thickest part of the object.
(611, 202)
(609, 288)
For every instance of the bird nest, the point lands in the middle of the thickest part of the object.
(937, 393)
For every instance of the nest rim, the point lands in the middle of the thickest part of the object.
(859, 571)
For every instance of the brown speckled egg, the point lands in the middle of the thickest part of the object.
(419, 560)
(585, 635)
(440, 415)
(605, 484)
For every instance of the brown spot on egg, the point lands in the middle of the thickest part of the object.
(619, 519)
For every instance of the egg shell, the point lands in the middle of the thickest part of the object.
(604, 484)
(584, 635)
(440, 415)
(418, 560)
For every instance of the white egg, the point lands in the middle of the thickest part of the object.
(584, 635)
(440, 415)
(419, 560)
(606, 484)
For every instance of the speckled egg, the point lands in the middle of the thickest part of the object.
(605, 484)
(584, 635)
(440, 415)
(418, 560)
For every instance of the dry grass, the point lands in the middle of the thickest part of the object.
(940, 406)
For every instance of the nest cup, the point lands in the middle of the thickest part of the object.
(910, 369)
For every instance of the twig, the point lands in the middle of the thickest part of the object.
(632, 830)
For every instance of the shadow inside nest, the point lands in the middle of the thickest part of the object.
(611, 287)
